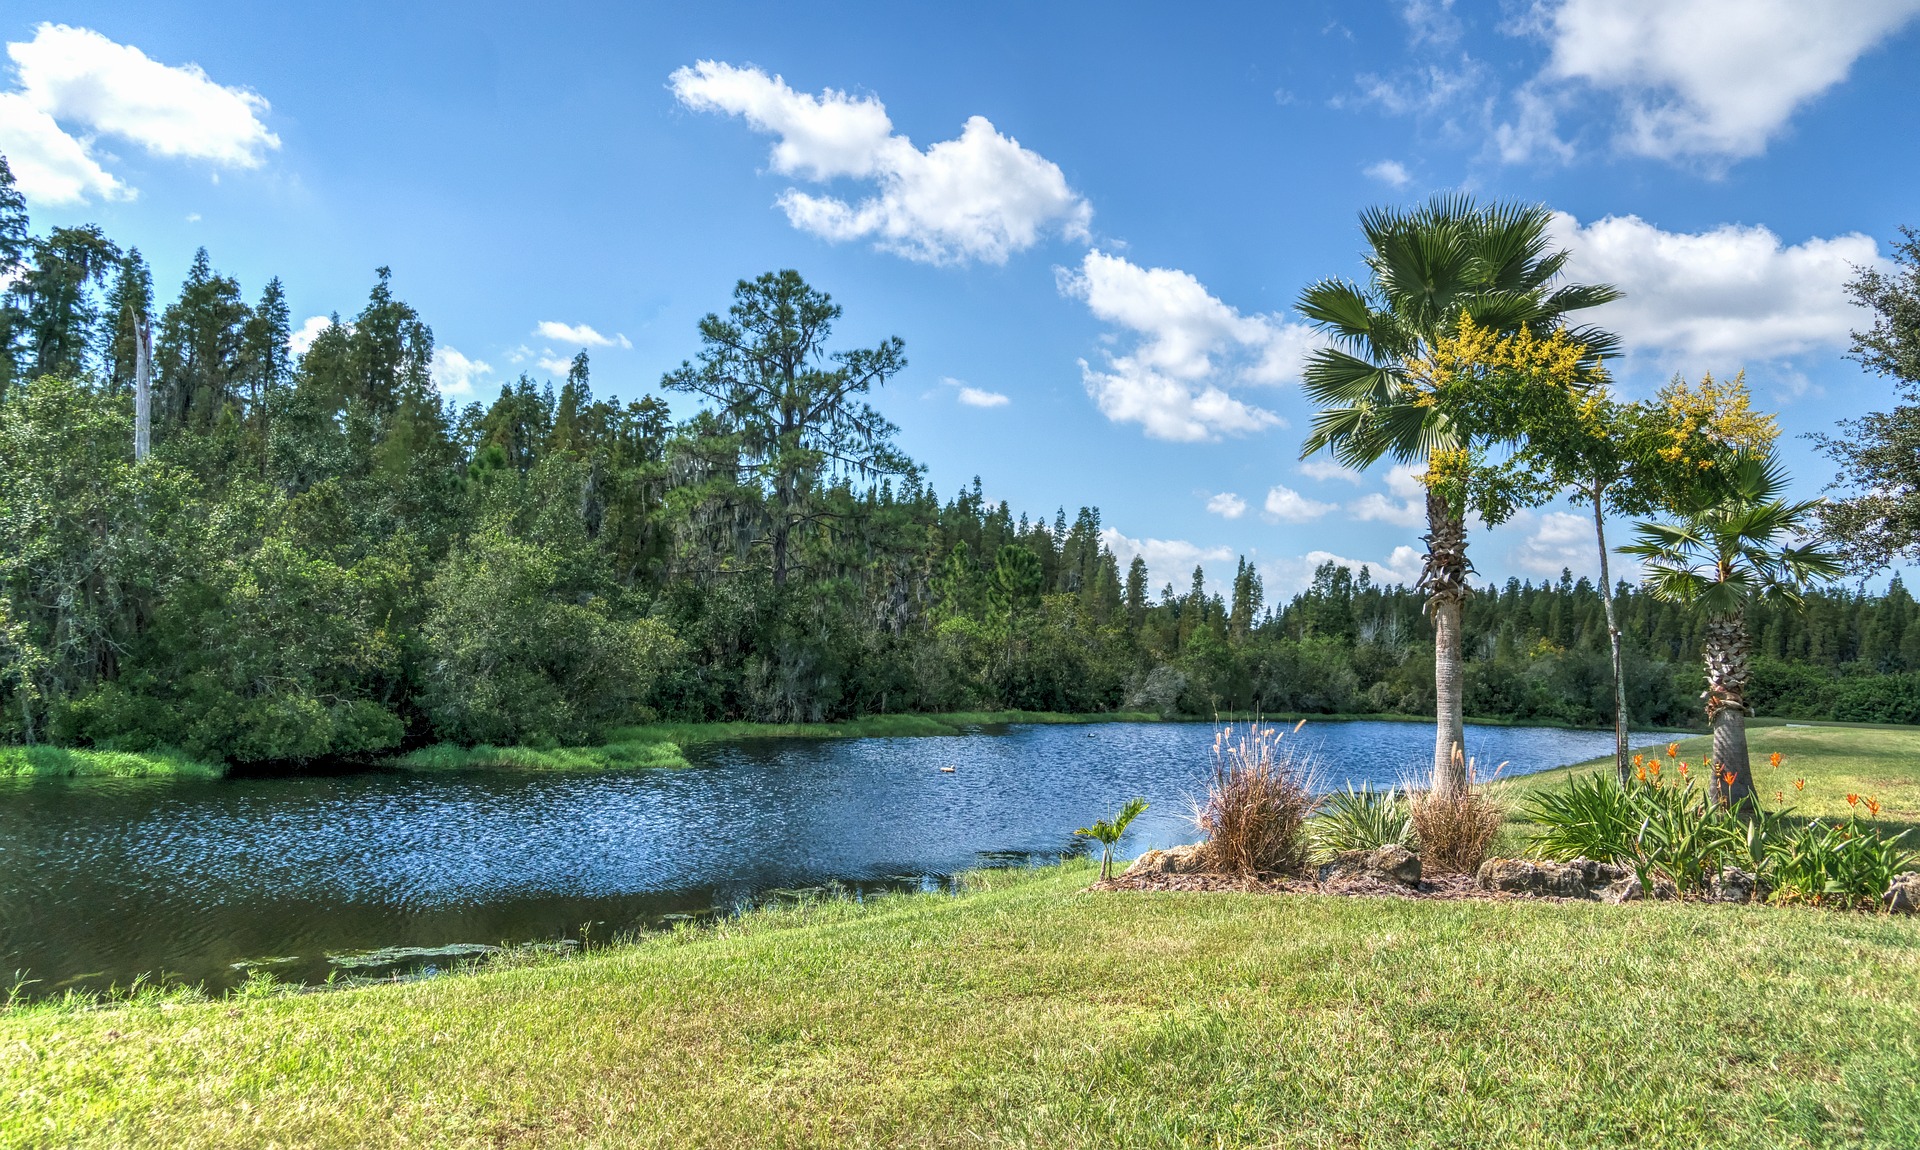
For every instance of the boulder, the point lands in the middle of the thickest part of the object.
(1524, 876)
(1735, 885)
(1394, 864)
(1174, 860)
(1903, 894)
(1629, 889)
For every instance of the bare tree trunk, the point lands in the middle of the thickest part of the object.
(1729, 669)
(142, 388)
(1613, 640)
(1444, 578)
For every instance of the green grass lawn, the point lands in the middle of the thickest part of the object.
(1031, 1013)
(1834, 760)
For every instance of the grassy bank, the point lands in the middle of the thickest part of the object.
(1834, 760)
(613, 756)
(69, 763)
(1029, 1013)
(867, 727)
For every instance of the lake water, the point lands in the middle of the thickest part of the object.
(102, 880)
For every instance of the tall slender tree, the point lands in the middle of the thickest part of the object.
(791, 409)
(1428, 268)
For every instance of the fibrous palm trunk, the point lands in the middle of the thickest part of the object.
(1444, 579)
(1729, 669)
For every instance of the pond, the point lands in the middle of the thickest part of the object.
(378, 874)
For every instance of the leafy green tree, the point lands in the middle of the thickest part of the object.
(1879, 453)
(57, 298)
(1429, 268)
(789, 411)
(1726, 551)
(128, 302)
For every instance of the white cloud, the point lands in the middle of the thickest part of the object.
(1285, 505)
(976, 396)
(1167, 559)
(49, 166)
(454, 374)
(580, 334)
(1190, 346)
(303, 336)
(1393, 173)
(1714, 79)
(1722, 297)
(1227, 505)
(1327, 469)
(980, 196)
(76, 80)
(1404, 504)
(1287, 577)
(554, 364)
(1558, 541)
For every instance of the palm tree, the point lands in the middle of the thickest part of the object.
(1108, 833)
(1725, 552)
(1429, 267)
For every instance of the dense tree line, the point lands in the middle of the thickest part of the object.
(322, 557)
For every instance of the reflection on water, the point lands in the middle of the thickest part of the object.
(101, 880)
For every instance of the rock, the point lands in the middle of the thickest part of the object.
(1523, 876)
(1175, 860)
(1735, 885)
(1598, 874)
(1903, 894)
(1629, 889)
(1394, 864)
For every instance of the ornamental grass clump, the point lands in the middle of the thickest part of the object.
(1259, 798)
(1456, 826)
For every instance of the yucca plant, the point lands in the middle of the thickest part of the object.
(1593, 816)
(1362, 819)
(1108, 833)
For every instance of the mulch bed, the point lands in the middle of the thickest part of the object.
(1439, 886)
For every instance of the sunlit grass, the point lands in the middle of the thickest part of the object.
(613, 756)
(64, 762)
(1028, 1013)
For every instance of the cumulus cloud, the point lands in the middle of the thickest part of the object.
(302, 337)
(1404, 504)
(1557, 541)
(49, 166)
(1188, 348)
(454, 374)
(980, 196)
(580, 334)
(1393, 173)
(1285, 577)
(976, 396)
(1714, 79)
(1227, 505)
(1167, 559)
(1721, 297)
(554, 364)
(1285, 505)
(74, 84)
(1326, 469)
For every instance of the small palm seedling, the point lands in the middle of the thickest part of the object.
(1108, 833)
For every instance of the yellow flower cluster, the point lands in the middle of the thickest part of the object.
(1718, 414)
(1473, 351)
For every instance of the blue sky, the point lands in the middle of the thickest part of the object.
(1089, 222)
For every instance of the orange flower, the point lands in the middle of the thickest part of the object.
(1638, 759)
(1780, 796)
(1642, 773)
(1799, 784)
(1683, 770)
(1673, 750)
(1728, 778)
(1656, 768)
(1852, 799)
(1873, 807)
(1774, 758)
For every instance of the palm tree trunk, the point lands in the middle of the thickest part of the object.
(1613, 638)
(1729, 669)
(1444, 578)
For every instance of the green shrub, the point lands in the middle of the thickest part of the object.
(1846, 864)
(1359, 820)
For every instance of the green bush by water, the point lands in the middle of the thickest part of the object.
(613, 756)
(65, 762)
